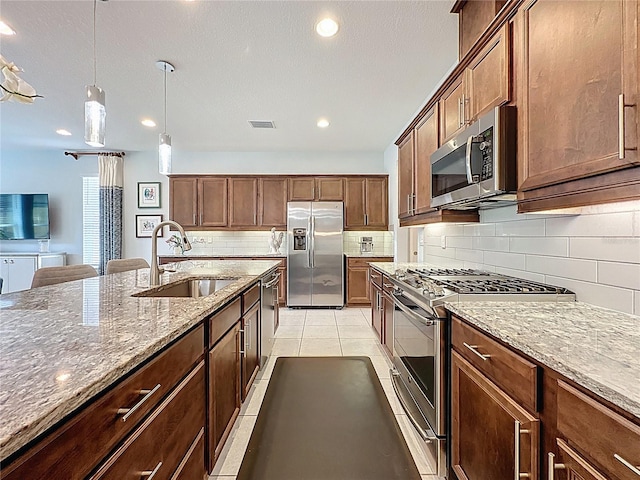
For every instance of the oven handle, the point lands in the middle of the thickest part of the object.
(395, 377)
(427, 322)
(467, 159)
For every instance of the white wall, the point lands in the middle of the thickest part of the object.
(595, 254)
(61, 177)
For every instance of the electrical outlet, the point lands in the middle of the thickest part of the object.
(443, 241)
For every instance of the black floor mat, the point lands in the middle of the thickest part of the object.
(326, 418)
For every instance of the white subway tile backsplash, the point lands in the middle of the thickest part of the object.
(439, 252)
(480, 230)
(636, 297)
(508, 260)
(601, 295)
(521, 228)
(606, 248)
(535, 277)
(554, 246)
(626, 275)
(476, 256)
(502, 214)
(563, 267)
(497, 244)
(600, 225)
(458, 242)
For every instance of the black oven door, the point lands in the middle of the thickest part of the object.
(419, 350)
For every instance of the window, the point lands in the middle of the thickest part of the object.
(91, 221)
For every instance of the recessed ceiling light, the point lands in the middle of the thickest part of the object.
(6, 29)
(147, 122)
(327, 27)
(323, 123)
(62, 131)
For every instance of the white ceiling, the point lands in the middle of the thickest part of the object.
(235, 61)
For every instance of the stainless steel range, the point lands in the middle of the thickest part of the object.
(421, 338)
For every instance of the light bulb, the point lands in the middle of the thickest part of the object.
(164, 154)
(94, 117)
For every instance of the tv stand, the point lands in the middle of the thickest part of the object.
(17, 268)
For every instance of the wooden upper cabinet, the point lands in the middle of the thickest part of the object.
(212, 201)
(405, 176)
(329, 189)
(570, 117)
(302, 189)
(354, 208)
(475, 17)
(243, 202)
(452, 110)
(183, 201)
(376, 203)
(488, 77)
(273, 202)
(426, 142)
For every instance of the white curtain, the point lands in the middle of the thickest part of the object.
(111, 175)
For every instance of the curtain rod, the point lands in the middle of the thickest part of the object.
(82, 154)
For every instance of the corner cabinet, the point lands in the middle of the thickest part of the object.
(578, 115)
(366, 203)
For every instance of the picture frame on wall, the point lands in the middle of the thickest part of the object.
(148, 194)
(145, 225)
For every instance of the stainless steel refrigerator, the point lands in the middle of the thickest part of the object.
(315, 262)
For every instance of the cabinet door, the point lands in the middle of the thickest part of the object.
(569, 119)
(282, 288)
(452, 110)
(251, 357)
(354, 203)
(273, 202)
(329, 189)
(387, 305)
(358, 285)
(572, 464)
(212, 200)
(426, 141)
(488, 77)
(302, 189)
(224, 390)
(491, 435)
(376, 204)
(20, 273)
(243, 202)
(376, 311)
(475, 17)
(405, 177)
(183, 201)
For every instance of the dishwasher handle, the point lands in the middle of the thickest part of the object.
(272, 282)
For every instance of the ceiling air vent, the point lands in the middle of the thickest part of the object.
(261, 124)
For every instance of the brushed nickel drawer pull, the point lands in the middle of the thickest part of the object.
(388, 285)
(151, 473)
(129, 411)
(519, 432)
(473, 348)
(621, 128)
(635, 470)
(553, 466)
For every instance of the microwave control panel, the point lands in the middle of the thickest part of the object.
(486, 151)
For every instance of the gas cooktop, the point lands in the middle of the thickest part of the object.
(439, 285)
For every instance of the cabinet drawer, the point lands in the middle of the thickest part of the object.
(222, 321)
(513, 373)
(250, 297)
(160, 443)
(376, 277)
(387, 286)
(595, 430)
(192, 465)
(74, 449)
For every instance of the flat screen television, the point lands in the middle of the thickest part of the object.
(24, 216)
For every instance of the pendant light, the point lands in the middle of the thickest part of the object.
(94, 109)
(164, 147)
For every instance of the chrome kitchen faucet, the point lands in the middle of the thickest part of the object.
(154, 274)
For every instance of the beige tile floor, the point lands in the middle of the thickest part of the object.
(318, 333)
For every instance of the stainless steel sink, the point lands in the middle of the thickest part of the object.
(188, 288)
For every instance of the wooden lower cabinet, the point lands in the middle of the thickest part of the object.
(192, 465)
(357, 282)
(387, 312)
(250, 360)
(377, 312)
(224, 390)
(164, 438)
(492, 436)
(571, 465)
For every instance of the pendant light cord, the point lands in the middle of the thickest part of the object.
(95, 68)
(165, 98)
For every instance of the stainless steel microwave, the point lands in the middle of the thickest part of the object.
(477, 168)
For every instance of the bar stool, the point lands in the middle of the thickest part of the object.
(52, 275)
(118, 265)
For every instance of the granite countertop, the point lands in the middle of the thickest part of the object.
(595, 347)
(366, 255)
(226, 255)
(62, 344)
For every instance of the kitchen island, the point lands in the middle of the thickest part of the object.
(63, 345)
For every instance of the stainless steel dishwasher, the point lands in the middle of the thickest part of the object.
(269, 313)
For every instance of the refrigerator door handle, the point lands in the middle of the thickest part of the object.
(312, 250)
(309, 237)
